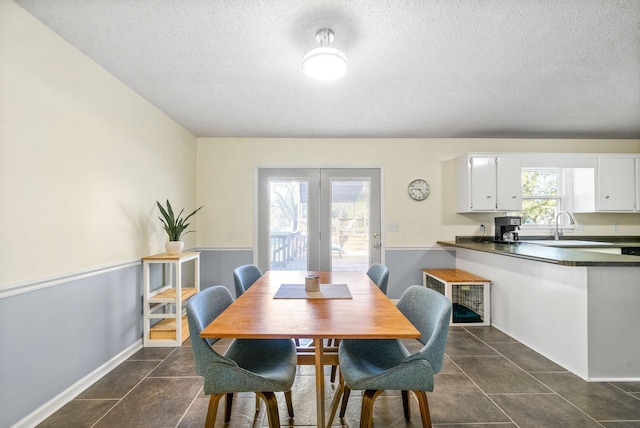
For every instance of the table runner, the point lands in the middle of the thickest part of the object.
(327, 291)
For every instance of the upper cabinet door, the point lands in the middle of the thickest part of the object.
(509, 184)
(488, 183)
(483, 184)
(615, 184)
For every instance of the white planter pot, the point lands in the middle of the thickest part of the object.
(174, 247)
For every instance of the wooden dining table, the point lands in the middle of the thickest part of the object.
(366, 314)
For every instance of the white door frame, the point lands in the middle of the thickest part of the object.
(256, 205)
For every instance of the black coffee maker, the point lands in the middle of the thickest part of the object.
(506, 229)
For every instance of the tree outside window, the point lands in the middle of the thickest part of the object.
(288, 212)
(541, 196)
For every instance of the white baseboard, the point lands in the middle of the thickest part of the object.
(53, 405)
(613, 379)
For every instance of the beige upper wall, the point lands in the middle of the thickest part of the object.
(226, 169)
(82, 159)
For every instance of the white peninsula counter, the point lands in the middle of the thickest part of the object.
(578, 308)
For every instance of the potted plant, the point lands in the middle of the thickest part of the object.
(174, 226)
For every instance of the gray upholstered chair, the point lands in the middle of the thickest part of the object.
(244, 276)
(380, 275)
(263, 366)
(386, 364)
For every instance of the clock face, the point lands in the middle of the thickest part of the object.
(419, 190)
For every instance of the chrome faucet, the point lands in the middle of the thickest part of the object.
(556, 236)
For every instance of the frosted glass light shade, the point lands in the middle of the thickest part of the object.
(325, 63)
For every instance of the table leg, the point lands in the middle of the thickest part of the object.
(336, 399)
(319, 363)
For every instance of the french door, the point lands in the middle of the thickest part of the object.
(318, 218)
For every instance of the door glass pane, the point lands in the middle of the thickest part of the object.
(288, 224)
(318, 219)
(350, 224)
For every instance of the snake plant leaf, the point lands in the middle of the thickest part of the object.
(174, 225)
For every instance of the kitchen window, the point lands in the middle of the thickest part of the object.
(544, 192)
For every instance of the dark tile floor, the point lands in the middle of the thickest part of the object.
(489, 380)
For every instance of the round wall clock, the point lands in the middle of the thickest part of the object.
(419, 189)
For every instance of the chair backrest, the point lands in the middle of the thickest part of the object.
(203, 308)
(380, 275)
(430, 312)
(244, 276)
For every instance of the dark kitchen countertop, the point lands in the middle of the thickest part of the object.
(556, 255)
(615, 241)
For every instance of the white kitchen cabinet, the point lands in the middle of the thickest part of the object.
(488, 183)
(615, 185)
(610, 187)
(509, 184)
(482, 184)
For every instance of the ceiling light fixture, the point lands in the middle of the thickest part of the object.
(325, 62)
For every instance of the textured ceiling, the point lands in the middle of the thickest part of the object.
(418, 68)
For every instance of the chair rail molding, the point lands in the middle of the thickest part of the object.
(39, 284)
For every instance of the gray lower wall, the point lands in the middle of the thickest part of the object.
(405, 266)
(216, 266)
(53, 337)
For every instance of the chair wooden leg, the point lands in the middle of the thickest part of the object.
(366, 415)
(334, 403)
(345, 399)
(333, 342)
(287, 398)
(257, 403)
(405, 405)
(227, 408)
(213, 410)
(272, 408)
(424, 408)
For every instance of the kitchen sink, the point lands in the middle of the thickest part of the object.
(568, 243)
